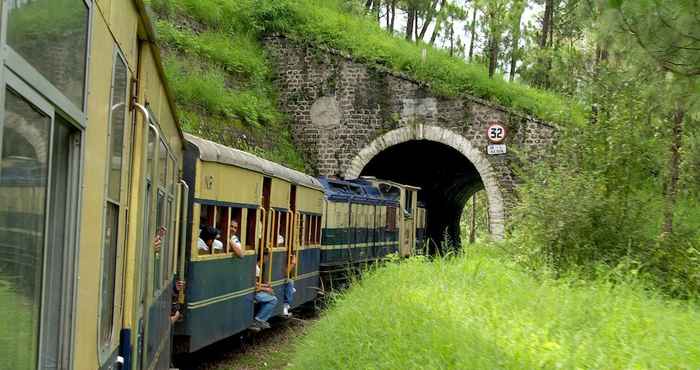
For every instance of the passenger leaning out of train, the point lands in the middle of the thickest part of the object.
(234, 243)
(265, 297)
(207, 236)
(289, 289)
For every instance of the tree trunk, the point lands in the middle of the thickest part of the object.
(472, 224)
(368, 5)
(520, 8)
(415, 25)
(438, 23)
(393, 16)
(673, 169)
(473, 36)
(429, 18)
(547, 23)
(493, 54)
(377, 9)
(387, 4)
(452, 39)
(409, 24)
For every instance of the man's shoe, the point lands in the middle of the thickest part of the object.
(262, 324)
(254, 327)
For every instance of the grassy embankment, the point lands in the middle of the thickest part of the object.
(484, 312)
(222, 80)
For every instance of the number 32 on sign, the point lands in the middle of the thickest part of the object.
(496, 134)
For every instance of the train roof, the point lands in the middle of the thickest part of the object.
(210, 151)
(357, 191)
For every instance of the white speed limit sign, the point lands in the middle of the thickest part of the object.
(496, 133)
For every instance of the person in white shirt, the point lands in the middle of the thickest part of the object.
(234, 243)
(206, 239)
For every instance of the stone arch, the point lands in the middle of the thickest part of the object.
(451, 139)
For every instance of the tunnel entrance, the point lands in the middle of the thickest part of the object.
(447, 179)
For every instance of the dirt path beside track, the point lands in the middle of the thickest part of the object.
(268, 349)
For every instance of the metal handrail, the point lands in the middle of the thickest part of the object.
(184, 200)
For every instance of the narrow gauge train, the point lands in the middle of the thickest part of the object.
(89, 171)
(327, 226)
(94, 217)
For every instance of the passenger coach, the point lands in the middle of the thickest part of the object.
(278, 212)
(89, 172)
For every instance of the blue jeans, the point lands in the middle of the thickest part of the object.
(267, 303)
(289, 292)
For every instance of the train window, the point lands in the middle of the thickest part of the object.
(117, 118)
(391, 218)
(162, 163)
(110, 247)
(23, 180)
(236, 216)
(206, 218)
(222, 221)
(408, 206)
(282, 229)
(318, 230)
(251, 228)
(65, 26)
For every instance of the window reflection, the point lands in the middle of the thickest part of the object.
(23, 180)
(52, 36)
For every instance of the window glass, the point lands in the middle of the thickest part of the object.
(23, 181)
(52, 36)
(250, 231)
(109, 266)
(117, 116)
(57, 310)
(150, 154)
(160, 232)
(162, 164)
(171, 177)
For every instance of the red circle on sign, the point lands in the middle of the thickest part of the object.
(496, 133)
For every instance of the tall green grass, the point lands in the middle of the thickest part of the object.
(482, 311)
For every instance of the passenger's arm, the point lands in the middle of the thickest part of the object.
(235, 245)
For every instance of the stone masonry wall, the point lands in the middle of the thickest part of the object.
(339, 105)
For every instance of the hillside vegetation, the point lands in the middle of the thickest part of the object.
(482, 311)
(223, 82)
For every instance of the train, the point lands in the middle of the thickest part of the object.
(327, 225)
(103, 196)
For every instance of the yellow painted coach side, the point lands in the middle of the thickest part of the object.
(120, 29)
(227, 183)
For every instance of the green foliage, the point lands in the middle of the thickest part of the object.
(482, 311)
(221, 78)
(599, 199)
(322, 22)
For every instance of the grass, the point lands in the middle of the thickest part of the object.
(482, 311)
(221, 79)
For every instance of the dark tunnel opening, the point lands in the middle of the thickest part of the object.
(447, 179)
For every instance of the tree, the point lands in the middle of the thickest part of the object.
(671, 40)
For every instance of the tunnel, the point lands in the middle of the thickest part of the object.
(446, 177)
